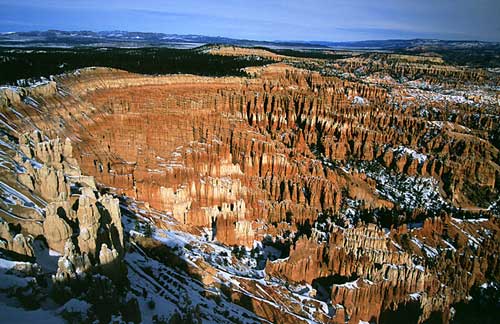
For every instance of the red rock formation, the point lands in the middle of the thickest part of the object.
(246, 157)
(78, 221)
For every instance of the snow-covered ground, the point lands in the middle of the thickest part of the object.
(408, 151)
(175, 291)
(409, 192)
(11, 314)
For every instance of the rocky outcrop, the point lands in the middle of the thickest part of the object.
(411, 67)
(55, 228)
(323, 124)
(348, 253)
(17, 243)
(78, 221)
(247, 158)
(72, 265)
(369, 273)
(75, 265)
(98, 224)
(48, 176)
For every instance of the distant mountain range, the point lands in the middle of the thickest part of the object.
(57, 38)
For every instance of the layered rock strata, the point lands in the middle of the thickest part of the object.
(73, 217)
(243, 158)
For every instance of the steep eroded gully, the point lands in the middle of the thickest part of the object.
(259, 159)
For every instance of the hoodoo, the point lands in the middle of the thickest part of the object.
(286, 195)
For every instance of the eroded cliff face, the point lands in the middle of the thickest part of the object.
(245, 159)
(188, 145)
(74, 219)
(369, 272)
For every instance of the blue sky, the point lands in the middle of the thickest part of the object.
(334, 20)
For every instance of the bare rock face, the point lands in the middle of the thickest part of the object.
(247, 158)
(78, 222)
(72, 265)
(95, 227)
(99, 221)
(93, 223)
(46, 180)
(369, 274)
(261, 144)
(107, 256)
(350, 252)
(55, 228)
(17, 243)
(55, 161)
(110, 262)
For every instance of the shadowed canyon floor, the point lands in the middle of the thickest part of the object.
(361, 188)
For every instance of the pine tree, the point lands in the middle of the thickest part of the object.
(148, 230)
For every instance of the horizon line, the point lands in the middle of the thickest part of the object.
(256, 40)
